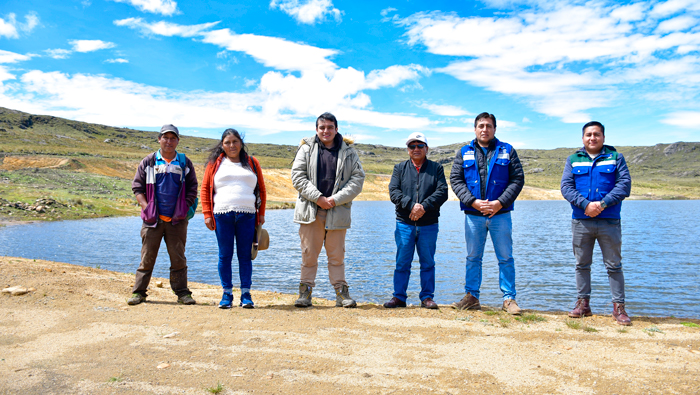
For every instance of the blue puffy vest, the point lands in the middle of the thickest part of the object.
(498, 174)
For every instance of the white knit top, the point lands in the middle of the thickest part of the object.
(234, 188)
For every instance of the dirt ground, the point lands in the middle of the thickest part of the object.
(74, 334)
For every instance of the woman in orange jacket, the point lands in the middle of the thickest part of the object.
(233, 202)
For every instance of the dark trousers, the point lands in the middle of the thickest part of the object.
(175, 239)
(608, 232)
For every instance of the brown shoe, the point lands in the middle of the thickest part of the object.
(511, 307)
(582, 309)
(394, 303)
(428, 303)
(468, 302)
(620, 315)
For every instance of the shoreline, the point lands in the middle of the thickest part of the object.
(75, 334)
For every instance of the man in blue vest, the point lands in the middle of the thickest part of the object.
(595, 181)
(487, 177)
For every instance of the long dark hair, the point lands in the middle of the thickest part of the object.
(218, 149)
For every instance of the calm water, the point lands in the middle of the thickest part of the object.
(661, 255)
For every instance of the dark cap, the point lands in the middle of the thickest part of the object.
(169, 128)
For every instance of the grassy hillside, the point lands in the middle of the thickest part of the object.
(85, 169)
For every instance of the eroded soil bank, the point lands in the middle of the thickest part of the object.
(75, 334)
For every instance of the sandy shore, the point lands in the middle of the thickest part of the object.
(75, 334)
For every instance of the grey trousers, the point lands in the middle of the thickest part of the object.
(608, 232)
(175, 239)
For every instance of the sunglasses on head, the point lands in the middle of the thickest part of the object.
(414, 146)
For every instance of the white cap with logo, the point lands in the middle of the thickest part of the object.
(417, 136)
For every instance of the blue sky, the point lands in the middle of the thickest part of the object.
(384, 68)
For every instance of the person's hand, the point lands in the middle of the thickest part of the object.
(593, 209)
(331, 201)
(209, 222)
(324, 203)
(482, 206)
(493, 207)
(261, 218)
(417, 212)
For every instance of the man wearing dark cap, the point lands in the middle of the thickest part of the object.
(165, 185)
(417, 188)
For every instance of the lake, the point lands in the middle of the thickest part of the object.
(660, 251)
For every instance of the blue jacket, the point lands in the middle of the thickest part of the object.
(498, 175)
(604, 178)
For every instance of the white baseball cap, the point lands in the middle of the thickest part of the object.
(417, 136)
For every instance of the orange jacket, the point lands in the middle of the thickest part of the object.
(207, 192)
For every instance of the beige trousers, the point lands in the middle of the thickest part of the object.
(313, 236)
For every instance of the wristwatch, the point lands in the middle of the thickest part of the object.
(603, 205)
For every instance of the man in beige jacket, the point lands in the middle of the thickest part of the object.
(328, 175)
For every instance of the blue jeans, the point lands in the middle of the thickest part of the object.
(408, 239)
(501, 229)
(241, 228)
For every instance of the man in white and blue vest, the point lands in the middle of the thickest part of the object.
(595, 181)
(487, 177)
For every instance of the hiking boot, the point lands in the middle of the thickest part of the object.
(620, 314)
(582, 309)
(468, 302)
(394, 303)
(304, 296)
(428, 303)
(135, 299)
(185, 299)
(511, 307)
(226, 301)
(342, 297)
(247, 301)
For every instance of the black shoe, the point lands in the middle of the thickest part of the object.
(394, 303)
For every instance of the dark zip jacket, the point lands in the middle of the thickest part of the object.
(510, 170)
(408, 187)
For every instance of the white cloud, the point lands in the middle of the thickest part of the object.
(163, 7)
(164, 28)
(670, 7)
(445, 110)
(565, 59)
(387, 11)
(274, 52)
(684, 119)
(677, 24)
(361, 138)
(58, 53)
(90, 45)
(307, 11)
(117, 60)
(32, 21)
(393, 75)
(10, 27)
(11, 57)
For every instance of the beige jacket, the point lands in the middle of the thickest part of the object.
(349, 178)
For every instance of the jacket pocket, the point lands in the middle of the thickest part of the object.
(582, 179)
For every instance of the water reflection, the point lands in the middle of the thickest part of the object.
(660, 255)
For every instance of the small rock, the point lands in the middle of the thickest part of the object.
(159, 284)
(15, 291)
(31, 289)
(48, 270)
(163, 365)
(170, 335)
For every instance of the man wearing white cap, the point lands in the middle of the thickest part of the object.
(418, 188)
